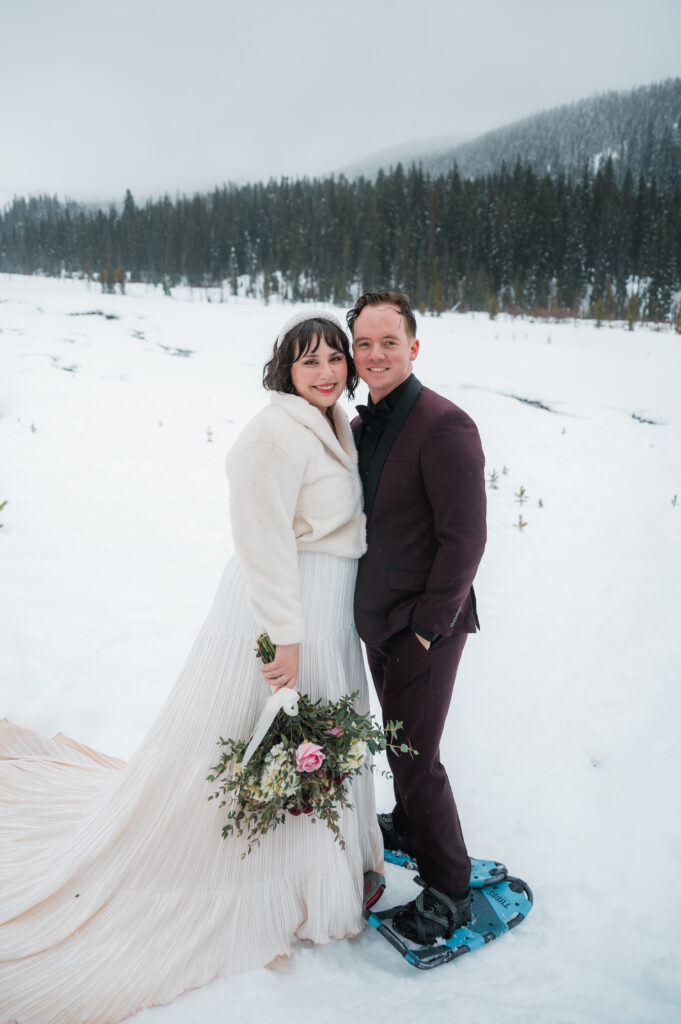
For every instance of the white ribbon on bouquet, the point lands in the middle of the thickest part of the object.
(282, 699)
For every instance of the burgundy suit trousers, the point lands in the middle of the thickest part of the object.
(415, 686)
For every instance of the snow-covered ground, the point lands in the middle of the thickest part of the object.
(564, 743)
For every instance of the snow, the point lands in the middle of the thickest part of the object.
(564, 740)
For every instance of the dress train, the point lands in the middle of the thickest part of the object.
(117, 891)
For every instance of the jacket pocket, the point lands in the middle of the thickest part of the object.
(408, 579)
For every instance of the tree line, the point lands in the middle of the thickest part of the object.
(640, 129)
(514, 240)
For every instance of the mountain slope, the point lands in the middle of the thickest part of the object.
(640, 129)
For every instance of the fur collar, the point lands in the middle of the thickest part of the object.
(300, 410)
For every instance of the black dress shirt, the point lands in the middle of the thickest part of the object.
(374, 421)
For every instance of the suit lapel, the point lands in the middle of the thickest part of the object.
(399, 414)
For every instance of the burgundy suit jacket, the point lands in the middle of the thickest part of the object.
(426, 530)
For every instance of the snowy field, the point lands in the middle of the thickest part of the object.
(564, 745)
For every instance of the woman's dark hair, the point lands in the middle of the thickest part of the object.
(296, 343)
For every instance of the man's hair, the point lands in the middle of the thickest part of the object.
(302, 338)
(384, 298)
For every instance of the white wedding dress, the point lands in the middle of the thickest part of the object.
(117, 890)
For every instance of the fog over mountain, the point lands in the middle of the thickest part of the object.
(171, 99)
(407, 153)
(639, 128)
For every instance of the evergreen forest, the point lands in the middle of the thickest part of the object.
(597, 244)
(640, 129)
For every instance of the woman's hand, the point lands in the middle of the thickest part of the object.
(283, 671)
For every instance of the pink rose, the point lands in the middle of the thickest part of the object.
(309, 757)
(336, 731)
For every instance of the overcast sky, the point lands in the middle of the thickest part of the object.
(180, 96)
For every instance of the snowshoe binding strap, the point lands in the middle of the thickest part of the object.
(432, 915)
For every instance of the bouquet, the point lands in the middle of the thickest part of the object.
(299, 765)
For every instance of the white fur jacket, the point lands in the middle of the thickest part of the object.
(293, 486)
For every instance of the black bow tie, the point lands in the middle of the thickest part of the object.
(370, 413)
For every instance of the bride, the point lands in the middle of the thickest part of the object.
(117, 891)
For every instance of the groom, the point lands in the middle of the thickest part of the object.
(421, 465)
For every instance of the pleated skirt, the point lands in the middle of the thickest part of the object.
(117, 891)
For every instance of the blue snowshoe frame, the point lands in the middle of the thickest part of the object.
(483, 872)
(496, 908)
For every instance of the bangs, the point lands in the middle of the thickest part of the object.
(309, 336)
(302, 339)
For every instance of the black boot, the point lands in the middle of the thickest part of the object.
(392, 838)
(433, 915)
